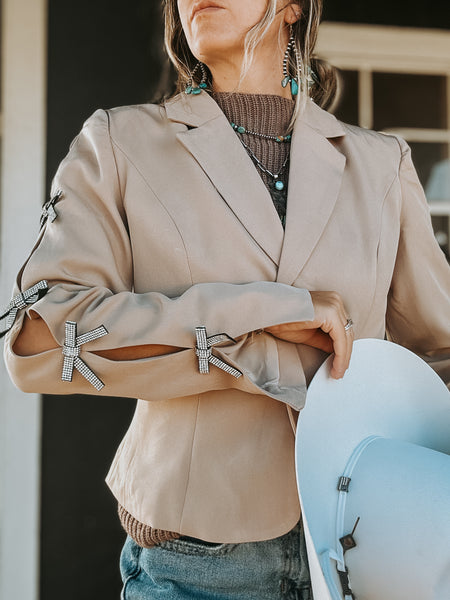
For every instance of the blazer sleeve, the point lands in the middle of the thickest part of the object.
(418, 311)
(84, 253)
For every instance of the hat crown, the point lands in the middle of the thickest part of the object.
(400, 492)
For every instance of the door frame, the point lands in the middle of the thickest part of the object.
(23, 162)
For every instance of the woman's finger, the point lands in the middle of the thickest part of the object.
(340, 341)
(340, 330)
(329, 330)
(317, 339)
(350, 339)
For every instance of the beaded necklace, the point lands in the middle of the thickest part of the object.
(248, 115)
(276, 138)
(278, 187)
(279, 191)
(277, 183)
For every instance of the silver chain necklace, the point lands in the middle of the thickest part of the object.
(277, 183)
(276, 138)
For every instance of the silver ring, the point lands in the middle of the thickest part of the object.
(348, 325)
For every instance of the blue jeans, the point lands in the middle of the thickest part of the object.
(190, 569)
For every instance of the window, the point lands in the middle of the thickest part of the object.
(397, 80)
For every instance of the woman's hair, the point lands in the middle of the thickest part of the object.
(322, 77)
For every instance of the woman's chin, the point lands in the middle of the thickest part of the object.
(212, 49)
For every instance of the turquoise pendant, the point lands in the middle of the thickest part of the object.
(293, 82)
(190, 89)
(279, 185)
(294, 87)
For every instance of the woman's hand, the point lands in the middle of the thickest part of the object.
(326, 332)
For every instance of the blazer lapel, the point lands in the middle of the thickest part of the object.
(314, 183)
(218, 151)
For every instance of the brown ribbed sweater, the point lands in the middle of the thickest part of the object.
(270, 115)
(262, 113)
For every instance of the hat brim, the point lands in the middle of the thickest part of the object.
(388, 391)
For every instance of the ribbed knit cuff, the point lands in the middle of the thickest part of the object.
(144, 535)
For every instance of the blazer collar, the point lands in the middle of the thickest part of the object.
(314, 180)
(217, 149)
(315, 176)
(193, 111)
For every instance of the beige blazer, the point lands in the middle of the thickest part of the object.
(162, 225)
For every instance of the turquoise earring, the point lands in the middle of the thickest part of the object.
(191, 88)
(291, 47)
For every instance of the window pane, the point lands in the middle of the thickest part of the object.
(433, 166)
(432, 162)
(441, 230)
(407, 100)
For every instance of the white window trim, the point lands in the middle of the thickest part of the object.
(24, 67)
(385, 48)
(369, 48)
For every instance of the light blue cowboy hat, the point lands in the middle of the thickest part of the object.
(373, 470)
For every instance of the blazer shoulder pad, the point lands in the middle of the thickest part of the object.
(127, 124)
(381, 147)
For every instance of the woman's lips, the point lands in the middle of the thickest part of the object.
(204, 9)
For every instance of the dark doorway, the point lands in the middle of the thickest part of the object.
(102, 53)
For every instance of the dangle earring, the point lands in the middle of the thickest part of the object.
(311, 78)
(191, 88)
(291, 47)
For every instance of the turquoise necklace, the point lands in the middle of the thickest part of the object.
(276, 138)
(278, 185)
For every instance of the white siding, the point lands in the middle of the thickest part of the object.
(24, 41)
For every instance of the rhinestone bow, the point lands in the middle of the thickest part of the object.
(205, 355)
(71, 352)
(48, 210)
(22, 300)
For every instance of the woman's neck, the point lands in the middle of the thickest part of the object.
(263, 77)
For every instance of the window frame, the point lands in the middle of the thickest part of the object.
(378, 48)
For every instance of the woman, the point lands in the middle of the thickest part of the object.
(169, 270)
